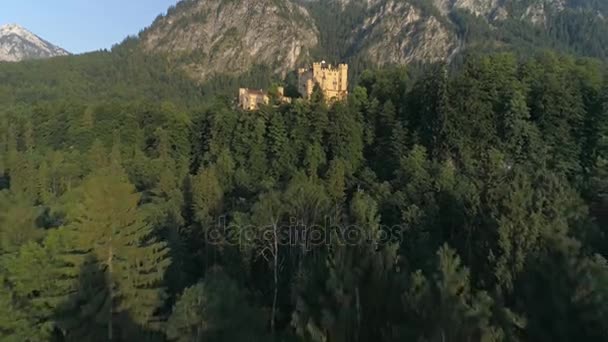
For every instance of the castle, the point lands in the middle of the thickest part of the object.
(251, 99)
(333, 81)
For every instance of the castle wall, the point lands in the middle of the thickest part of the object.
(333, 81)
(252, 99)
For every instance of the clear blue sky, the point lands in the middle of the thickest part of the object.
(83, 25)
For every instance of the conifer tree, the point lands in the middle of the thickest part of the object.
(598, 186)
(97, 156)
(279, 146)
(11, 149)
(434, 111)
(563, 294)
(43, 179)
(16, 325)
(107, 227)
(28, 136)
(446, 307)
(38, 283)
(342, 300)
(167, 197)
(17, 223)
(215, 309)
(345, 135)
(207, 196)
(336, 182)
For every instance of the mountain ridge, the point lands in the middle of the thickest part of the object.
(18, 44)
(219, 37)
(210, 36)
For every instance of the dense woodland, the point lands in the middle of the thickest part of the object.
(438, 203)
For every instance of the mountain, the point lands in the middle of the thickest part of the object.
(231, 36)
(17, 44)
(217, 37)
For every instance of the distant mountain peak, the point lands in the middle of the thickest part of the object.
(17, 44)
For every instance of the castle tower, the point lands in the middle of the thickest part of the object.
(333, 81)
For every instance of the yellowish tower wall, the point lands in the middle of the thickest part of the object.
(333, 81)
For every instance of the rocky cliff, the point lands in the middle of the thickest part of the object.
(210, 37)
(397, 32)
(218, 36)
(17, 44)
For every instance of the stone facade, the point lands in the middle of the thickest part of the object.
(333, 81)
(251, 99)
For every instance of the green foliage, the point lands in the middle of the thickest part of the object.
(17, 223)
(38, 283)
(124, 192)
(446, 307)
(109, 236)
(207, 196)
(215, 309)
(340, 300)
(580, 280)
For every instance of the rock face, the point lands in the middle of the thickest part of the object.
(17, 44)
(397, 32)
(208, 37)
(224, 37)
(501, 9)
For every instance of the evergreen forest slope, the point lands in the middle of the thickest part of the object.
(460, 200)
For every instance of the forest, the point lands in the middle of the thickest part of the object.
(435, 204)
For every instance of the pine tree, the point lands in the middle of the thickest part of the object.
(28, 136)
(347, 299)
(515, 126)
(336, 182)
(434, 111)
(446, 307)
(4, 135)
(345, 137)
(38, 283)
(97, 156)
(108, 228)
(23, 177)
(215, 309)
(11, 149)
(520, 227)
(563, 293)
(207, 196)
(43, 179)
(279, 147)
(17, 223)
(399, 141)
(598, 187)
(16, 325)
(224, 167)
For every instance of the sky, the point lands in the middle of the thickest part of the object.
(82, 25)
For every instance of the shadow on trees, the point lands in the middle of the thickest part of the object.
(87, 313)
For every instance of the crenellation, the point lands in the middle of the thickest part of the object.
(333, 80)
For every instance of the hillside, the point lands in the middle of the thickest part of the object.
(231, 36)
(461, 202)
(218, 37)
(469, 205)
